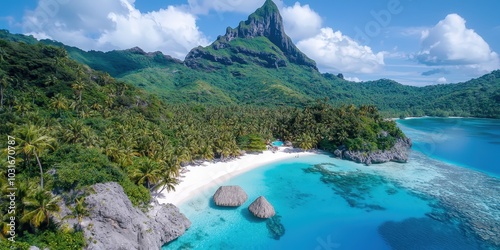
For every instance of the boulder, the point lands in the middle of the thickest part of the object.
(114, 223)
(230, 196)
(262, 208)
(398, 153)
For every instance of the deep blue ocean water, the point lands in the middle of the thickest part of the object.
(325, 203)
(467, 142)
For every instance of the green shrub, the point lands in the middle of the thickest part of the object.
(55, 240)
(79, 167)
(18, 245)
(138, 195)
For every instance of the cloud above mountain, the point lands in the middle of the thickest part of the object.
(334, 52)
(301, 21)
(451, 43)
(119, 26)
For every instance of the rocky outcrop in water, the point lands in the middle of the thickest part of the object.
(398, 153)
(262, 208)
(230, 196)
(115, 224)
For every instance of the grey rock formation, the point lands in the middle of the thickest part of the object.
(115, 224)
(398, 153)
(230, 196)
(262, 208)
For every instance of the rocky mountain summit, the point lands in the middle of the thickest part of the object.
(115, 224)
(261, 39)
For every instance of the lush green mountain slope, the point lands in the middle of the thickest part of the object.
(256, 63)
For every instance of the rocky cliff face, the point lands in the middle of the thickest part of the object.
(398, 153)
(114, 224)
(264, 22)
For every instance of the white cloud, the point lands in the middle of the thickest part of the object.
(411, 31)
(336, 52)
(114, 24)
(353, 79)
(242, 6)
(451, 43)
(441, 80)
(300, 21)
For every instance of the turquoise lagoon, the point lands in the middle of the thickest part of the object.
(325, 203)
(472, 143)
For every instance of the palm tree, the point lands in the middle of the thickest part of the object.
(40, 205)
(96, 106)
(34, 141)
(34, 93)
(5, 81)
(168, 180)
(73, 131)
(59, 102)
(78, 86)
(128, 153)
(105, 78)
(207, 152)
(147, 173)
(342, 136)
(2, 55)
(305, 141)
(22, 106)
(76, 106)
(51, 80)
(78, 211)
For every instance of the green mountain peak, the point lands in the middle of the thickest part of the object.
(260, 39)
(268, 8)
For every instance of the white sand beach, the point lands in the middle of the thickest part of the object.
(209, 174)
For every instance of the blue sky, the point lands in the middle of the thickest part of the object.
(413, 42)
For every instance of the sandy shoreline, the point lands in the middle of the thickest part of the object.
(199, 178)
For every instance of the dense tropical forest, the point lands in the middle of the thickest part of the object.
(291, 85)
(69, 127)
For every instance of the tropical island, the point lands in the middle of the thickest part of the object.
(121, 126)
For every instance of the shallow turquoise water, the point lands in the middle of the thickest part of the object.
(277, 143)
(326, 203)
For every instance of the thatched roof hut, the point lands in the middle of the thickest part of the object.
(262, 208)
(230, 196)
